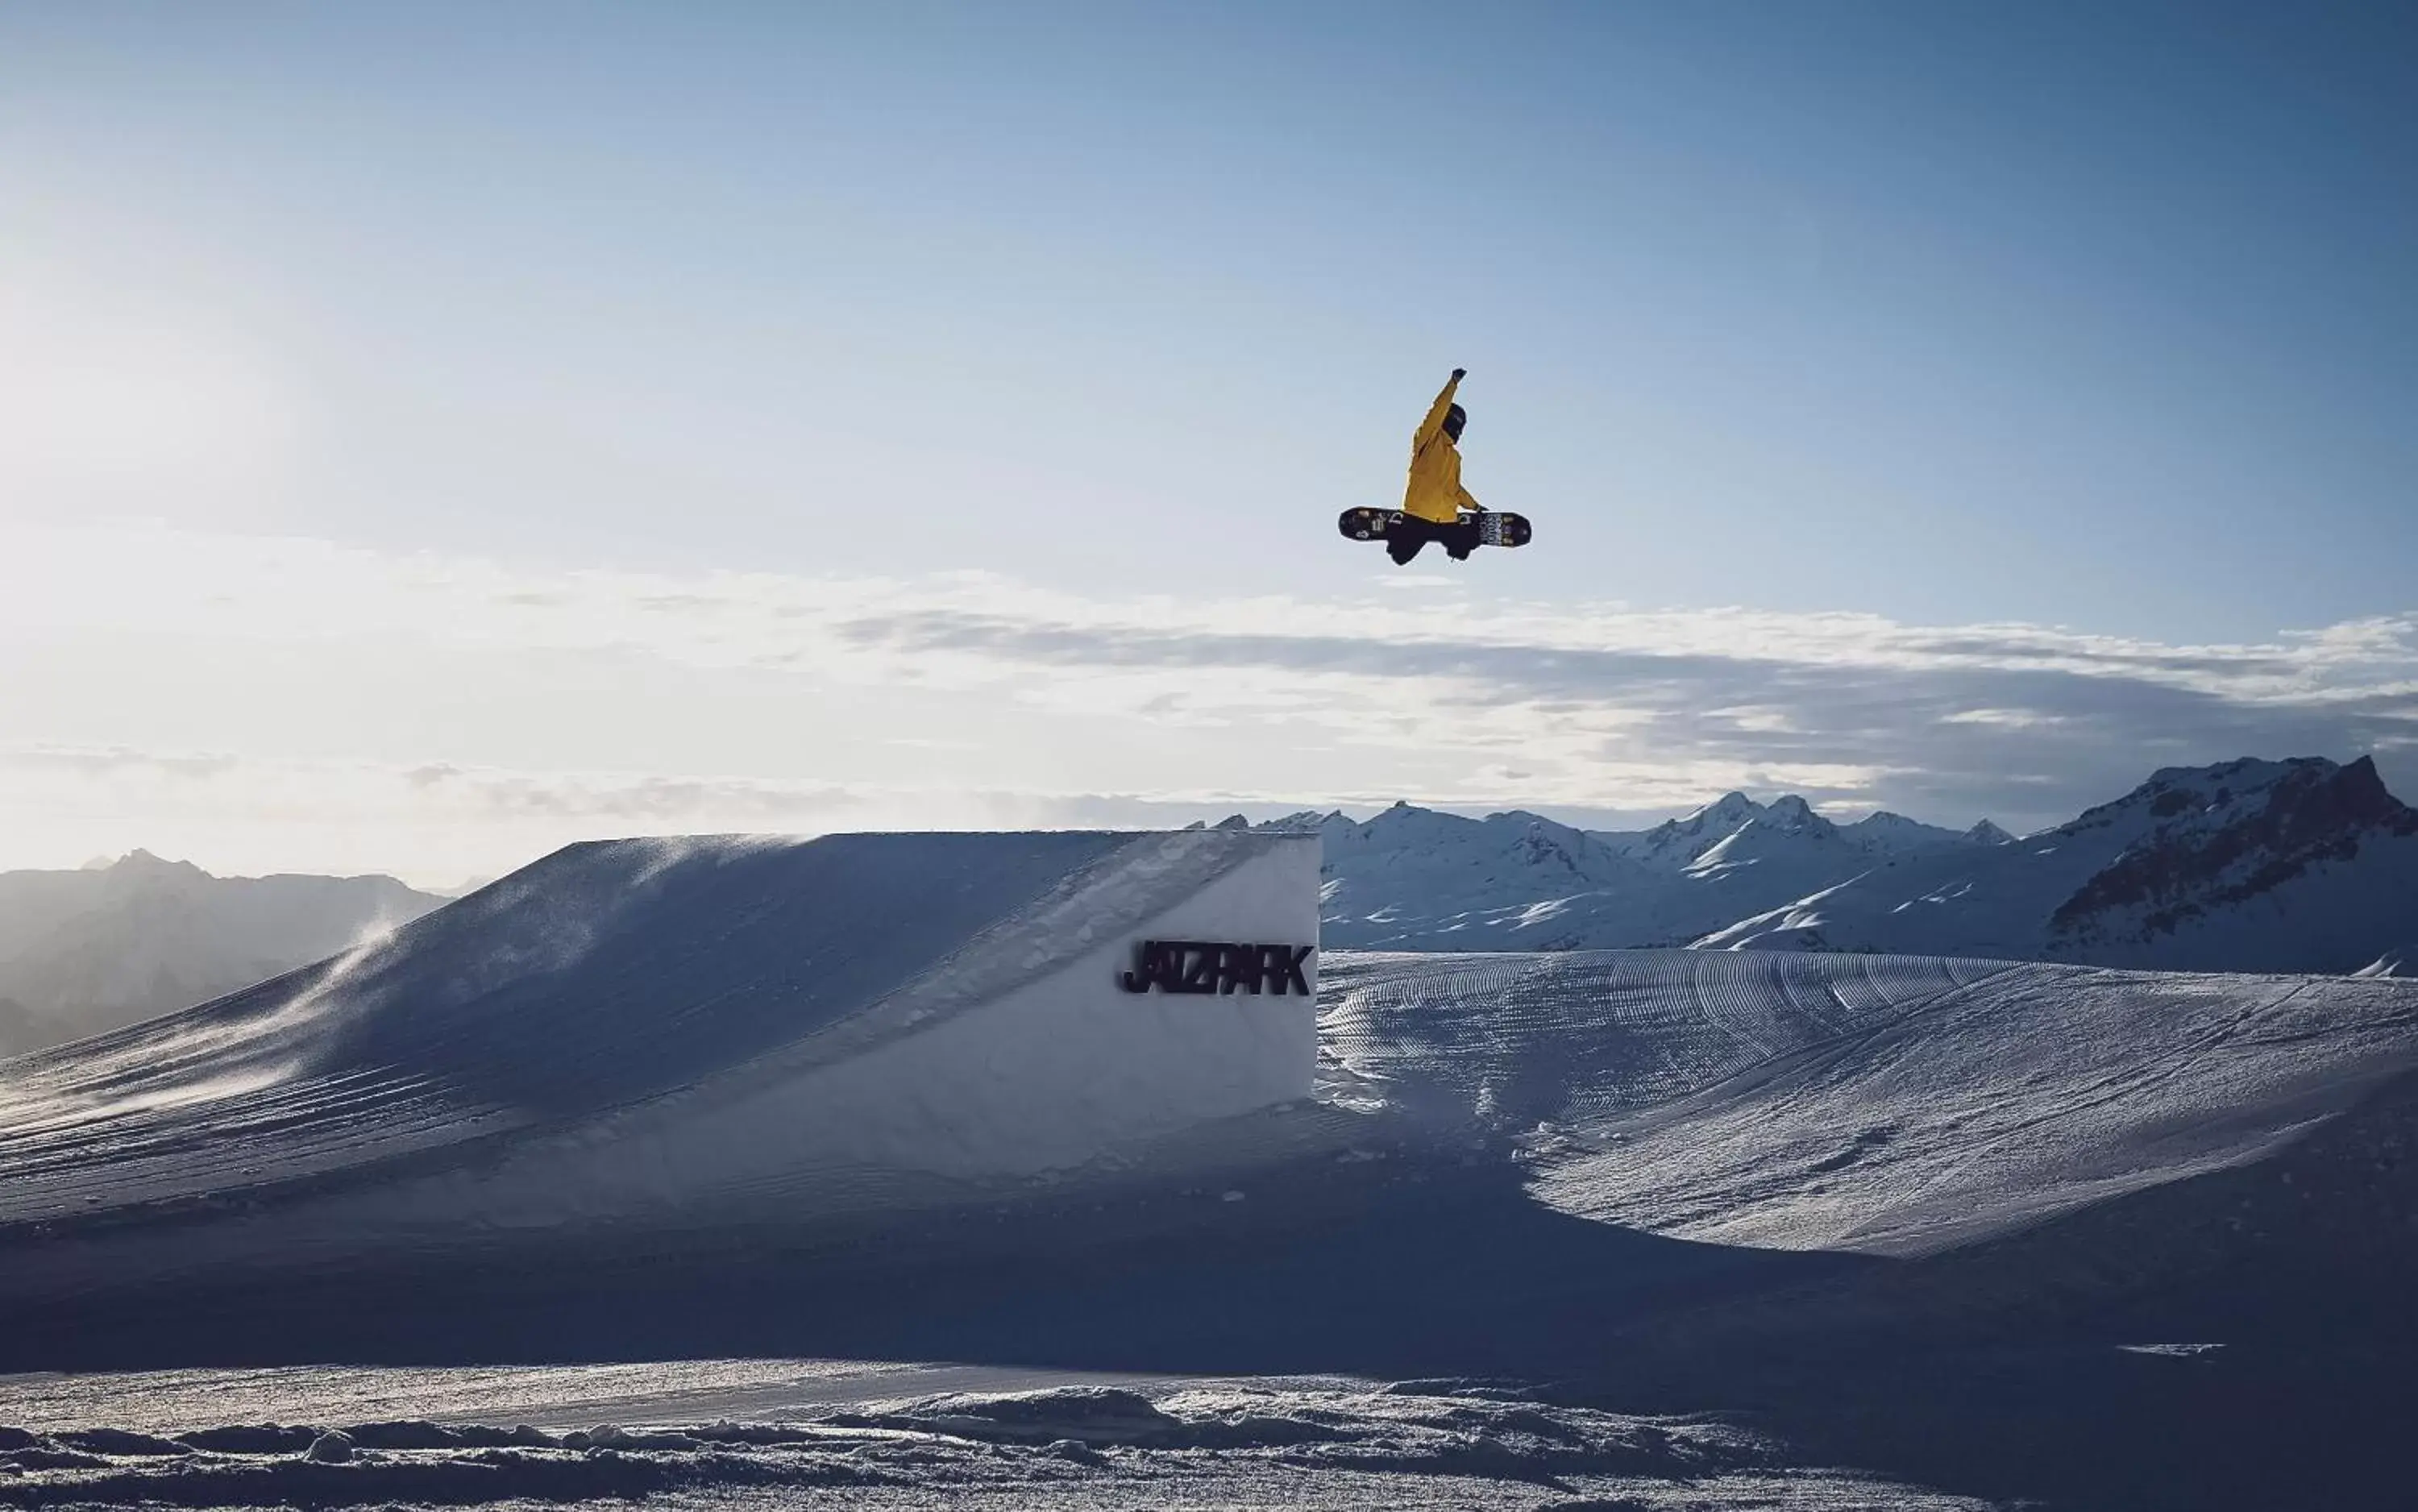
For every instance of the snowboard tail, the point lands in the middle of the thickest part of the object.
(1495, 527)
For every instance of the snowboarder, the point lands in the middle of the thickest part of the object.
(1434, 505)
(1433, 500)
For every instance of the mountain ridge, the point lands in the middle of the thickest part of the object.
(2249, 864)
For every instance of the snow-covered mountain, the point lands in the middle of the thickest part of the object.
(2299, 865)
(2250, 865)
(92, 949)
(1895, 833)
(1411, 879)
(1688, 842)
(1677, 842)
(1509, 881)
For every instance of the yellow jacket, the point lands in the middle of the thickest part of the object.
(1435, 492)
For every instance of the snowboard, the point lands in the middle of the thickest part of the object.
(1495, 527)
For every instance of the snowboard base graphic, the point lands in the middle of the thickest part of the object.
(1495, 527)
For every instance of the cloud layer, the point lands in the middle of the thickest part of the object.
(457, 698)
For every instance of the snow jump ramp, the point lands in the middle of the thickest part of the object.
(677, 1031)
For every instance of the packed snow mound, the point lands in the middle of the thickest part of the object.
(634, 1026)
(1887, 1104)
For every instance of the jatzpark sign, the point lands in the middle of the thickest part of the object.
(1200, 965)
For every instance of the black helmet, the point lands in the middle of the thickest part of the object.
(1454, 419)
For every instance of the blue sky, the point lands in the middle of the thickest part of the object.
(2092, 321)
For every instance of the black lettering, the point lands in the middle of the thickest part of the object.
(1238, 968)
(1145, 974)
(1200, 967)
(1288, 960)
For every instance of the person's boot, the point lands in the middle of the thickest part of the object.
(1460, 538)
(1404, 535)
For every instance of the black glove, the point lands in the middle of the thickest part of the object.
(1459, 373)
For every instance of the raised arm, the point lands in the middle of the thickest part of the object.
(1430, 427)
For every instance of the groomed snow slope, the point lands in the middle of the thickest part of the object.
(636, 1025)
(1893, 1104)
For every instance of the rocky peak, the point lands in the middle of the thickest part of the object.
(1308, 821)
(2215, 795)
(1540, 840)
(140, 872)
(2199, 839)
(1685, 839)
(1728, 809)
(2352, 796)
(1889, 833)
(1792, 815)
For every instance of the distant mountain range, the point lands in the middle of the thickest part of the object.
(2298, 865)
(88, 951)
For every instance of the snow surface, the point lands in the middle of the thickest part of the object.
(2400, 960)
(690, 1035)
(1885, 1105)
(644, 1027)
(1501, 1147)
(859, 1436)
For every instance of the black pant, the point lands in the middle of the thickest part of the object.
(1405, 536)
